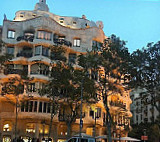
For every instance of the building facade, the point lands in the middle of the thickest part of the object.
(142, 109)
(29, 38)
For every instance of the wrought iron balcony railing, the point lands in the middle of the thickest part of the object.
(41, 72)
(23, 54)
(62, 42)
(26, 38)
(118, 104)
(22, 72)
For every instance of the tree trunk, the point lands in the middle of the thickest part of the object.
(50, 126)
(108, 121)
(108, 116)
(16, 118)
(68, 130)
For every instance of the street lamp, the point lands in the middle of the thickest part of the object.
(119, 133)
(81, 121)
(43, 124)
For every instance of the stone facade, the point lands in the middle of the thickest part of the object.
(30, 38)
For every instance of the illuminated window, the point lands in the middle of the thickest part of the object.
(30, 128)
(43, 128)
(11, 34)
(31, 87)
(76, 42)
(34, 106)
(44, 35)
(6, 128)
(6, 139)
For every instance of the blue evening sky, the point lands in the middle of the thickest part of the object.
(135, 21)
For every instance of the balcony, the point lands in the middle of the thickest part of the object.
(41, 72)
(24, 54)
(27, 37)
(63, 117)
(62, 42)
(118, 104)
(21, 72)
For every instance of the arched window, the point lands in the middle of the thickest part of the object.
(30, 128)
(6, 127)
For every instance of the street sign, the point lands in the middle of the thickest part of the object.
(144, 138)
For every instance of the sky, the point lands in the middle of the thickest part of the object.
(135, 21)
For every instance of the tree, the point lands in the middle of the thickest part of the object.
(116, 66)
(3, 58)
(52, 89)
(114, 60)
(65, 90)
(14, 86)
(147, 72)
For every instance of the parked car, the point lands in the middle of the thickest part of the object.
(83, 138)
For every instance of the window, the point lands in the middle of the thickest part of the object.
(49, 108)
(44, 107)
(72, 58)
(35, 106)
(40, 106)
(61, 20)
(26, 106)
(11, 34)
(45, 51)
(44, 35)
(30, 128)
(74, 23)
(94, 75)
(98, 112)
(61, 37)
(31, 87)
(38, 50)
(91, 113)
(76, 42)
(30, 106)
(96, 46)
(22, 107)
(6, 127)
(10, 50)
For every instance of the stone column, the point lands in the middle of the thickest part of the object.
(37, 130)
(55, 133)
(0, 129)
(29, 69)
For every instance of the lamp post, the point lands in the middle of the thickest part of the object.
(95, 124)
(119, 133)
(81, 121)
(144, 131)
(43, 124)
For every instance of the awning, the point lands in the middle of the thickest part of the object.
(127, 139)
